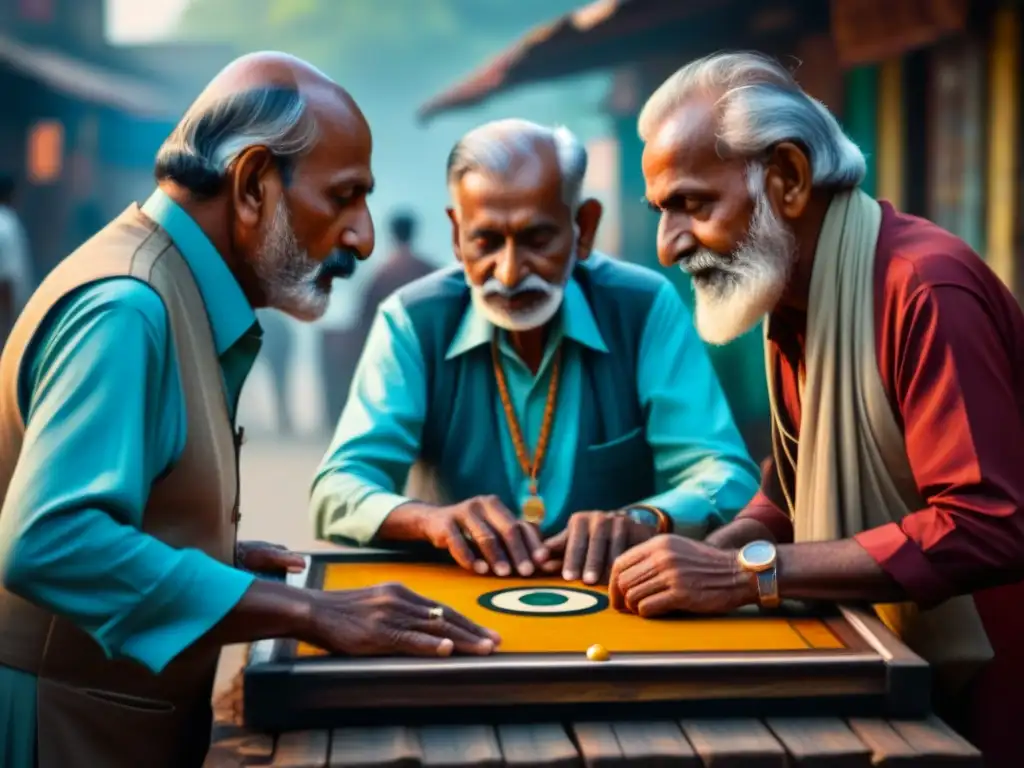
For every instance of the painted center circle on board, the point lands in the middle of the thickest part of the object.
(544, 598)
(545, 601)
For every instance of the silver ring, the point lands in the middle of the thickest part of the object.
(436, 613)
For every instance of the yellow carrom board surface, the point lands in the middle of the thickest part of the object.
(553, 616)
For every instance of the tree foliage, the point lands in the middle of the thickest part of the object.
(370, 38)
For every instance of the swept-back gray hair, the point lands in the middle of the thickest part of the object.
(217, 129)
(493, 147)
(758, 105)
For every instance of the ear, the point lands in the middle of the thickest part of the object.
(253, 173)
(788, 180)
(453, 217)
(588, 216)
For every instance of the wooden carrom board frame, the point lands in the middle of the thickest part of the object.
(875, 675)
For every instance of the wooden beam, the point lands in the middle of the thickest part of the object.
(1003, 128)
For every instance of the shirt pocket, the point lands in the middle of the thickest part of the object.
(615, 473)
(611, 454)
(81, 728)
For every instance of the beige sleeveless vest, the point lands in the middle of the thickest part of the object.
(93, 711)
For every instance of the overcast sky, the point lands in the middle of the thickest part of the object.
(136, 21)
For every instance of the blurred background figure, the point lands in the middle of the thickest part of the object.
(341, 348)
(15, 262)
(277, 348)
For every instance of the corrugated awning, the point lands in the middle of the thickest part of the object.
(869, 31)
(608, 33)
(82, 80)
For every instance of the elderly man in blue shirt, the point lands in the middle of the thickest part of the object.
(118, 453)
(536, 407)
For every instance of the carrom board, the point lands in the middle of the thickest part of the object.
(833, 661)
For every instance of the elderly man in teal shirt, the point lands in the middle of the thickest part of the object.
(131, 434)
(536, 406)
(118, 390)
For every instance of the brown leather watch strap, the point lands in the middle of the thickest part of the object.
(665, 524)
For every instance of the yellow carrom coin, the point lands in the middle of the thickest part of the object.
(552, 616)
(567, 654)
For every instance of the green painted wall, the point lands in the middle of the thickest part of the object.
(860, 117)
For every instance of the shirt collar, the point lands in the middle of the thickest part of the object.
(576, 321)
(231, 315)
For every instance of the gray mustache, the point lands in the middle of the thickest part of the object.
(340, 264)
(703, 259)
(530, 283)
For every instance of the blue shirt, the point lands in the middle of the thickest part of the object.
(105, 415)
(704, 474)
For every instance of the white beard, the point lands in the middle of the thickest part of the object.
(528, 319)
(743, 288)
(288, 275)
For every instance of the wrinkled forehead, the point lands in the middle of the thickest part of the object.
(684, 148)
(344, 144)
(528, 191)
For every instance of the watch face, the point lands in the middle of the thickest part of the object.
(759, 553)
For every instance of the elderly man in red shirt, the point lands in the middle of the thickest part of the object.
(895, 360)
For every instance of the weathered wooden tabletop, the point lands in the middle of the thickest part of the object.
(740, 743)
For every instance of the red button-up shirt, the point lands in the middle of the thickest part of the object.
(950, 349)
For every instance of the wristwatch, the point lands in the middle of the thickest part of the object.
(664, 524)
(759, 557)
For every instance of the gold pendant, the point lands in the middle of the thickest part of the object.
(533, 510)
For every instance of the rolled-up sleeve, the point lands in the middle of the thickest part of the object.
(378, 436)
(965, 442)
(704, 473)
(103, 409)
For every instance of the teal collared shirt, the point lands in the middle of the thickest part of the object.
(703, 473)
(105, 416)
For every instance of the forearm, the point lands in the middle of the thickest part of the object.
(406, 522)
(739, 533)
(136, 596)
(156, 601)
(347, 505)
(268, 609)
(834, 571)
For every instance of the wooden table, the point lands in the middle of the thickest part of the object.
(738, 743)
(797, 661)
(283, 684)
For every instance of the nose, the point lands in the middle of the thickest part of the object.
(675, 242)
(358, 235)
(508, 266)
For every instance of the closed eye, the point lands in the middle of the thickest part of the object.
(346, 197)
(688, 204)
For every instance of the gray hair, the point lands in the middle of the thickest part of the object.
(217, 129)
(758, 105)
(493, 147)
